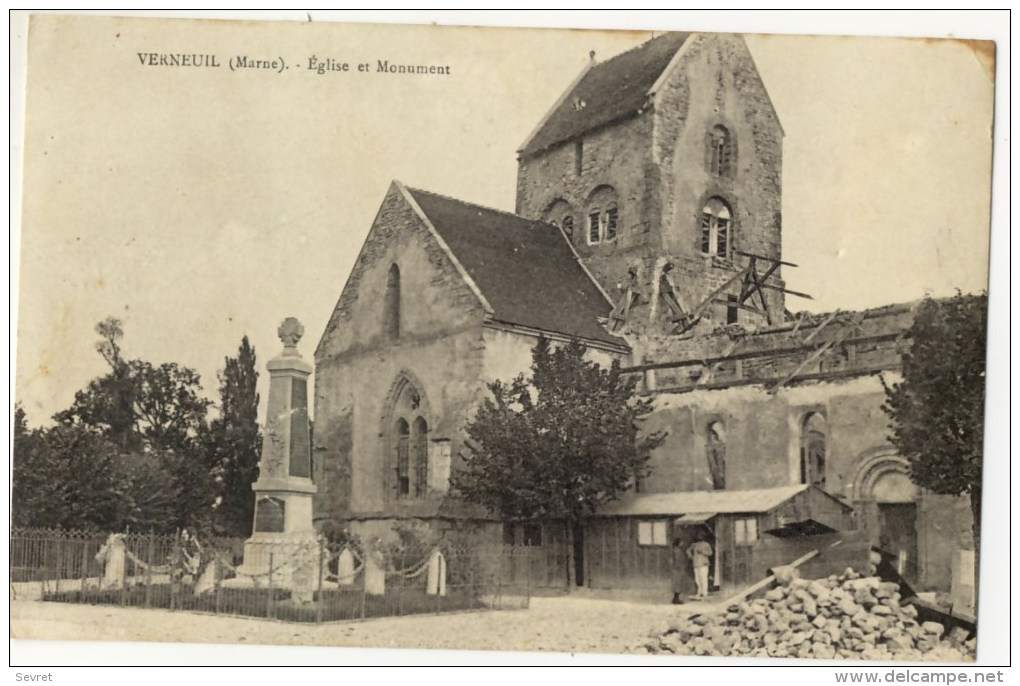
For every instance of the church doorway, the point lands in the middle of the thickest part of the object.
(897, 525)
(887, 500)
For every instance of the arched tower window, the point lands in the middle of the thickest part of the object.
(561, 215)
(603, 216)
(716, 221)
(813, 450)
(391, 316)
(420, 448)
(715, 452)
(721, 152)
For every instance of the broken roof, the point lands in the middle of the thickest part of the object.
(525, 269)
(720, 502)
(607, 91)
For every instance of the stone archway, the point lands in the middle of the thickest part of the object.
(887, 502)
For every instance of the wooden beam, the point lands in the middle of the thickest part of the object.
(761, 293)
(763, 257)
(711, 371)
(739, 305)
(782, 289)
(696, 313)
(825, 322)
(808, 360)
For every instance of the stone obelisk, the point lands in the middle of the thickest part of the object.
(284, 489)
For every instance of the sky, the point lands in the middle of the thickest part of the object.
(202, 205)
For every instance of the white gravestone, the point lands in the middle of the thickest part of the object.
(112, 556)
(436, 581)
(345, 568)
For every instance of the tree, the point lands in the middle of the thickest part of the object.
(937, 411)
(234, 443)
(65, 477)
(557, 445)
(152, 417)
(165, 410)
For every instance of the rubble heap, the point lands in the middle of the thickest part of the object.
(845, 616)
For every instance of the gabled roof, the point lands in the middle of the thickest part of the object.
(608, 91)
(525, 270)
(720, 502)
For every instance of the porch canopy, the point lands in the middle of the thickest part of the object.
(697, 507)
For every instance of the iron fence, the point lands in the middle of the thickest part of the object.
(307, 580)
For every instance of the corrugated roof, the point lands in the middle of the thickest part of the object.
(687, 502)
(611, 90)
(525, 269)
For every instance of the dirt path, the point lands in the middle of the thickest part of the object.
(564, 624)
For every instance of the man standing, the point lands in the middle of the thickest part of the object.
(700, 553)
(678, 570)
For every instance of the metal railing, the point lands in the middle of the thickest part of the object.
(310, 580)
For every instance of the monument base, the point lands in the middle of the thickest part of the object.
(281, 560)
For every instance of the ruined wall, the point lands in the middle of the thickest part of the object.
(861, 343)
(764, 426)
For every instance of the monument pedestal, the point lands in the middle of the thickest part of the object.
(284, 542)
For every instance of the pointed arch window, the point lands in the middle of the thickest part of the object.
(408, 441)
(715, 452)
(716, 225)
(813, 450)
(391, 314)
(420, 443)
(403, 431)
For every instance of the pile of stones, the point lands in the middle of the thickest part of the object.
(845, 616)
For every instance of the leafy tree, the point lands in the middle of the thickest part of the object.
(65, 476)
(152, 418)
(165, 412)
(234, 443)
(557, 445)
(938, 409)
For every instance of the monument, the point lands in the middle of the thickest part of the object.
(283, 541)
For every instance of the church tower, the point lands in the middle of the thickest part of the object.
(663, 166)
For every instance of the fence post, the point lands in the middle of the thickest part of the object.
(269, 603)
(84, 563)
(60, 563)
(318, 599)
(499, 584)
(363, 591)
(148, 567)
(527, 579)
(217, 579)
(123, 573)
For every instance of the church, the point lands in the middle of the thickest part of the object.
(648, 226)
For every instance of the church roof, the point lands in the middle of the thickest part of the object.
(606, 92)
(526, 270)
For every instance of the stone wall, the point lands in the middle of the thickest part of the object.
(617, 156)
(716, 83)
(440, 350)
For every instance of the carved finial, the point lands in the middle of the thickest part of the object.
(290, 332)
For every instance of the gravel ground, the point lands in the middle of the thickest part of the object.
(570, 624)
